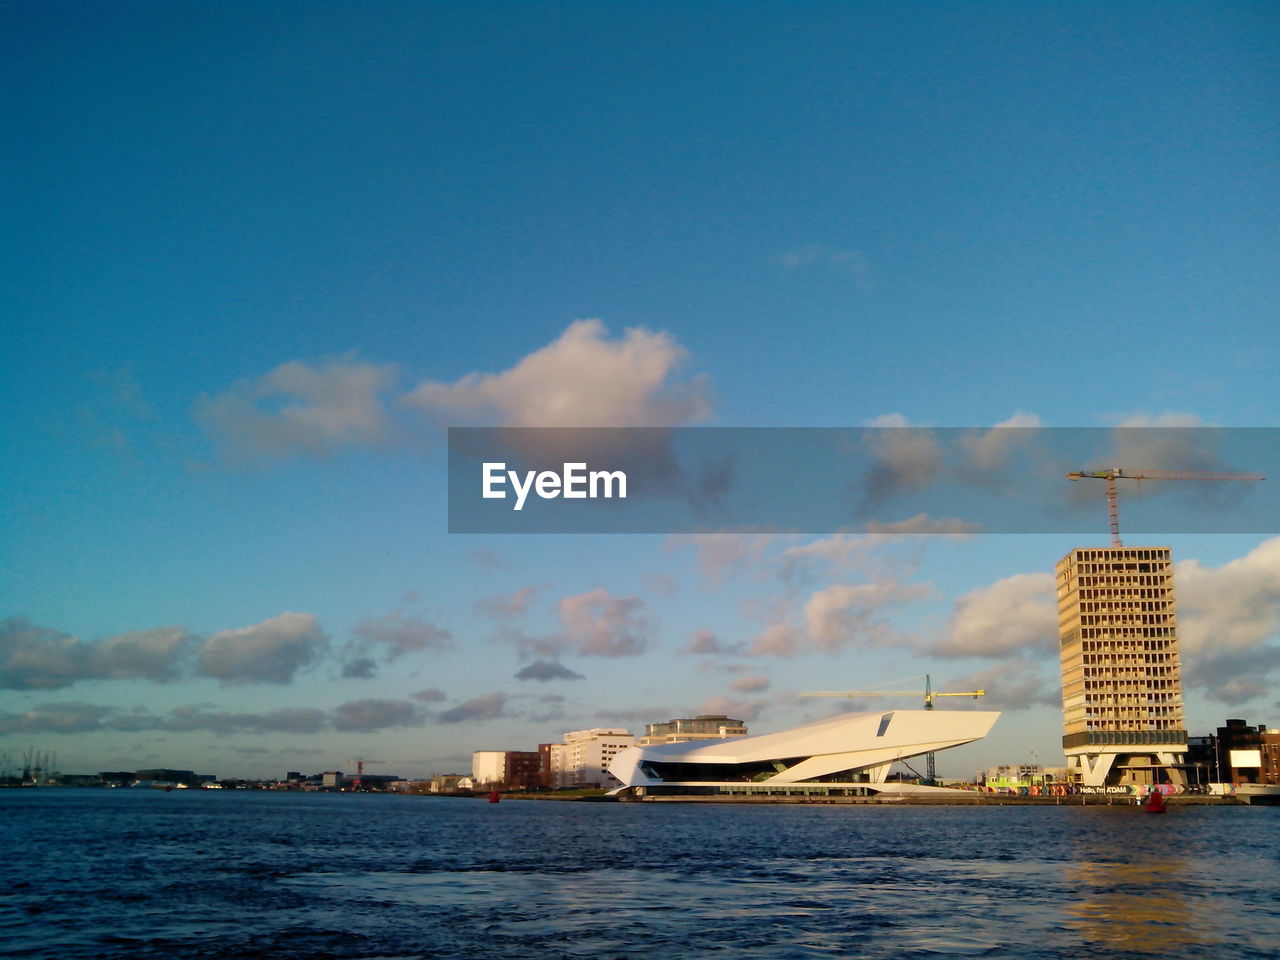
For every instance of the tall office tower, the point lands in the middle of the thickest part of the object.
(1121, 679)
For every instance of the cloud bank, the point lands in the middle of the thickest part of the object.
(269, 652)
(299, 409)
(582, 379)
(33, 657)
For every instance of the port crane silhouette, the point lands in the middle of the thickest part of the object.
(931, 772)
(1112, 474)
(360, 762)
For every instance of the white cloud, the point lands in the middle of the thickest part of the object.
(922, 523)
(829, 256)
(191, 718)
(299, 409)
(397, 634)
(1228, 626)
(601, 625)
(750, 684)
(56, 718)
(892, 552)
(157, 654)
(1240, 690)
(704, 642)
(268, 652)
(1229, 608)
(852, 614)
(988, 451)
(33, 657)
(1167, 420)
(366, 716)
(834, 618)
(836, 555)
(721, 555)
(507, 606)
(779, 639)
(488, 706)
(1014, 616)
(582, 379)
(1014, 684)
(87, 718)
(1229, 623)
(1169, 441)
(488, 560)
(906, 457)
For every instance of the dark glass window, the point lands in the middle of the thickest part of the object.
(884, 724)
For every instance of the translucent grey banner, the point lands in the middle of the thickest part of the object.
(863, 479)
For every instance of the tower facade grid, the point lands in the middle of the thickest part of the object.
(1122, 706)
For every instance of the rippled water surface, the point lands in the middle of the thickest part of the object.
(131, 873)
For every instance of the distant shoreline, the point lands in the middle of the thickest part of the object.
(976, 800)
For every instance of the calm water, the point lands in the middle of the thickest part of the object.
(116, 873)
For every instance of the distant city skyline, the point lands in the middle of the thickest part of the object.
(262, 256)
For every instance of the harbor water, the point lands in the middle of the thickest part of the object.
(141, 874)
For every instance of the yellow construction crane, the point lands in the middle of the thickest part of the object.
(929, 694)
(1116, 473)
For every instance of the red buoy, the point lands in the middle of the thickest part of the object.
(1155, 802)
(494, 797)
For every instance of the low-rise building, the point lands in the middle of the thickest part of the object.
(373, 782)
(446, 782)
(1010, 775)
(583, 759)
(507, 769)
(705, 726)
(1247, 754)
(1013, 774)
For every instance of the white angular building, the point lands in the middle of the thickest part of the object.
(848, 755)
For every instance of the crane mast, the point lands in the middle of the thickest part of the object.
(1113, 474)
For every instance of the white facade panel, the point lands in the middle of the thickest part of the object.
(583, 759)
(489, 766)
(1245, 758)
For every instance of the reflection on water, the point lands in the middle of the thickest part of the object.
(1139, 884)
(1138, 907)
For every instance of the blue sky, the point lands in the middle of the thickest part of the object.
(255, 249)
